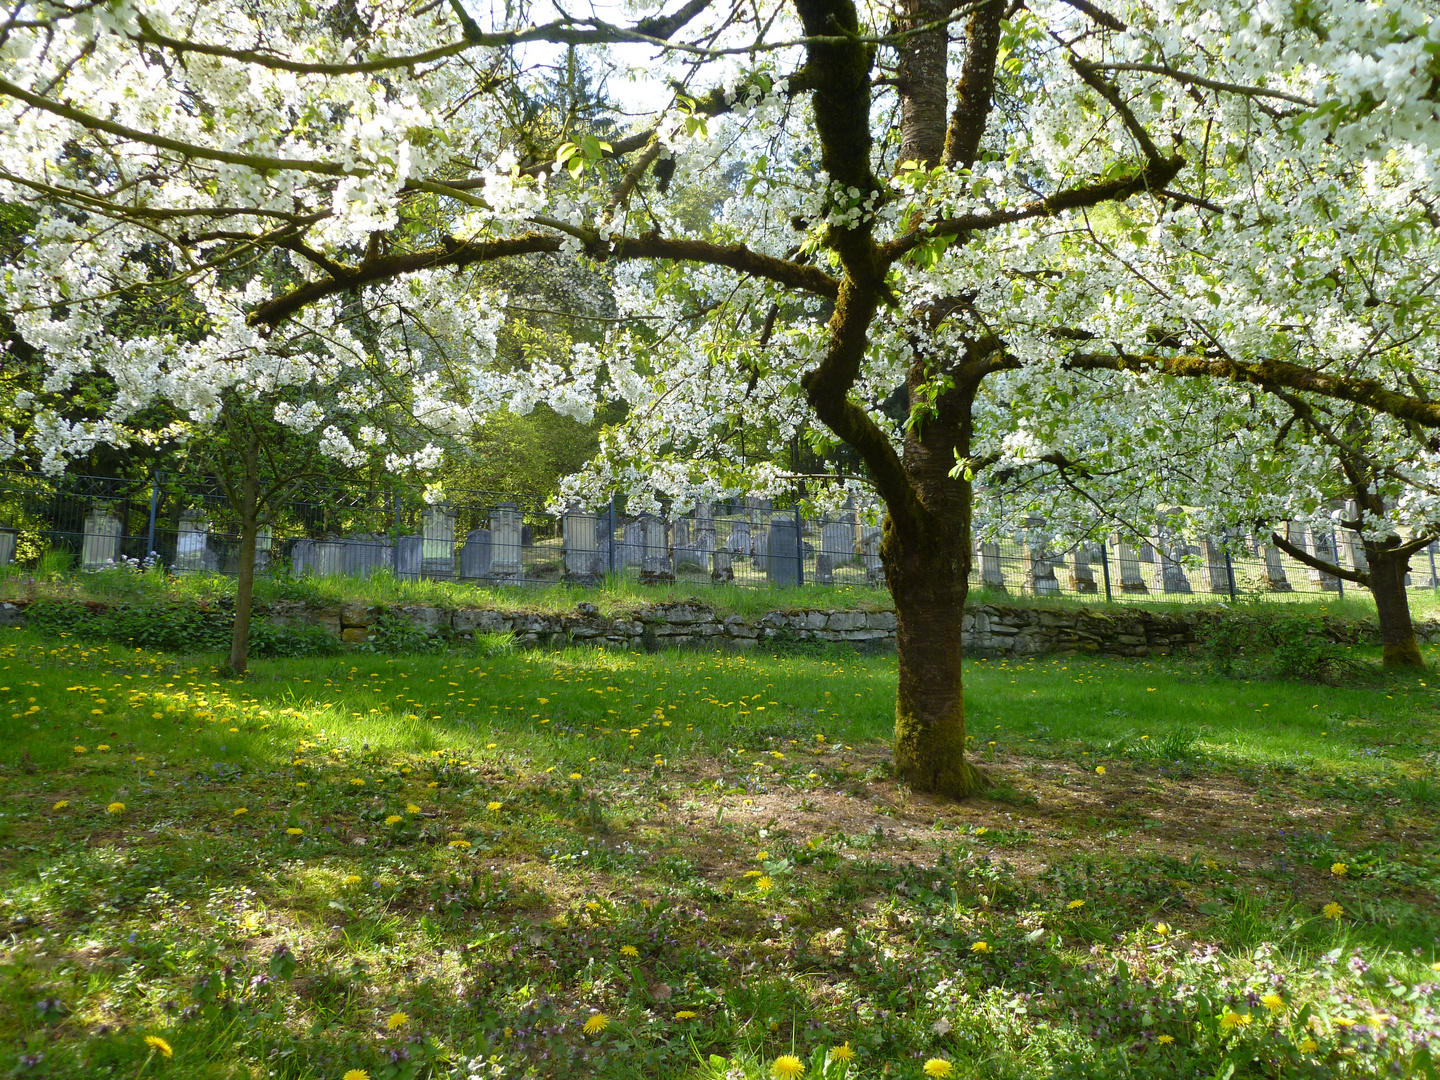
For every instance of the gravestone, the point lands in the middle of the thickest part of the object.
(329, 558)
(365, 554)
(505, 543)
(7, 546)
(264, 545)
(192, 544)
(687, 556)
(759, 546)
(992, 573)
(583, 561)
(302, 558)
(721, 570)
(824, 568)
(1040, 577)
(1217, 575)
(1322, 546)
(1353, 542)
(783, 552)
(1170, 548)
(870, 554)
(655, 564)
(475, 555)
(1082, 577)
(1275, 579)
(704, 528)
(837, 540)
(101, 543)
(409, 557)
(437, 527)
(1131, 580)
(759, 511)
(738, 542)
(1147, 552)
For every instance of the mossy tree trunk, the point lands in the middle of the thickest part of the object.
(1389, 563)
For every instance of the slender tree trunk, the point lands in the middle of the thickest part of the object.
(1392, 606)
(249, 533)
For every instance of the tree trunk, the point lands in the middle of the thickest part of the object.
(1392, 606)
(249, 534)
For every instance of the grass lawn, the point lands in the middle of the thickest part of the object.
(489, 864)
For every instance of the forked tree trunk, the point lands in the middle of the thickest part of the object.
(1388, 568)
(249, 534)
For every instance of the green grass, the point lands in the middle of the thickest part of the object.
(732, 820)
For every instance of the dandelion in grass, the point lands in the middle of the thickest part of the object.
(1308, 1046)
(159, 1046)
(686, 1014)
(61, 804)
(460, 844)
(1075, 905)
(115, 808)
(1339, 869)
(1332, 910)
(394, 819)
(761, 856)
(787, 1067)
(396, 1020)
(980, 947)
(494, 807)
(1165, 1040)
(596, 1024)
(352, 879)
(104, 748)
(1099, 770)
(764, 883)
(1163, 929)
(78, 749)
(238, 811)
(356, 1074)
(411, 808)
(631, 951)
(574, 776)
(842, 1053)
(1232, 1020)
(938, 1068)
(294, 832)
(981, 831)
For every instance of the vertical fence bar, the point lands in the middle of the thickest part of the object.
(1335, 547)
(154, 508)
(612, 535)
(1230, 573)
(1105, 569)
(800, 548)
(1434, 582)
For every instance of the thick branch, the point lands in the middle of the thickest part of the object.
(976, 85)
(1360, 577)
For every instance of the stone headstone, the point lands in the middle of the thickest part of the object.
(1082, 576)
(409, 557)
(264, 547)
(7, 546)
(824, 568)
(364, 555)
(1170, 548)
(782, 563)
(437, 528)
(1322, 546)
(505, 543)
(329, 558)
(738, 542)
(192, 544)
(721, 570)
(837, 540)
(302, 557)
(101, 543)
(1352, 541)
(992, 573)
(758, 510)
(1040, 577)
(688, 556)
(475, 555)
(870, 538)
(655, 564)
(1275, 579)
(1131, 580)
(759, 546)
(1217, 575)
(583, 561)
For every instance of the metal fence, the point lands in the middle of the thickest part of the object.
(186, 525)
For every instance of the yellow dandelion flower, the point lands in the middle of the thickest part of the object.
(574, 776)
(352, 879)
(764, 883)
(1075, 905)
(294, 832)
(980, 947)
(842, 1053)
(411, 808)
(787, 1067)
(1099, 770)
(394, 819)
(1232, 1020)
(115, 808)
(1274, 1002)
(103, 748)
(238, 811)
(630, 951)
(61, 804)
(686, 1014)
(159, 1045)
(1332, 910)
(1308, 1046)
(596, 1024)
(1165, 1040)
(494, 806)
(78, 749)
(1339, 869)
(357, 782)
(356, 1074)
(460, 843)
(761, 856)
(396, 1020)
(1162, 928)
(938, 1068)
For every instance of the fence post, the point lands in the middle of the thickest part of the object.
(800, 548)
(1434, 582)
(154, 508)
(612, 534)
(1230, 573)
(1105, 569)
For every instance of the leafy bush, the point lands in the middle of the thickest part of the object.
(182, 628)
(1253, 642)
(393, 633)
